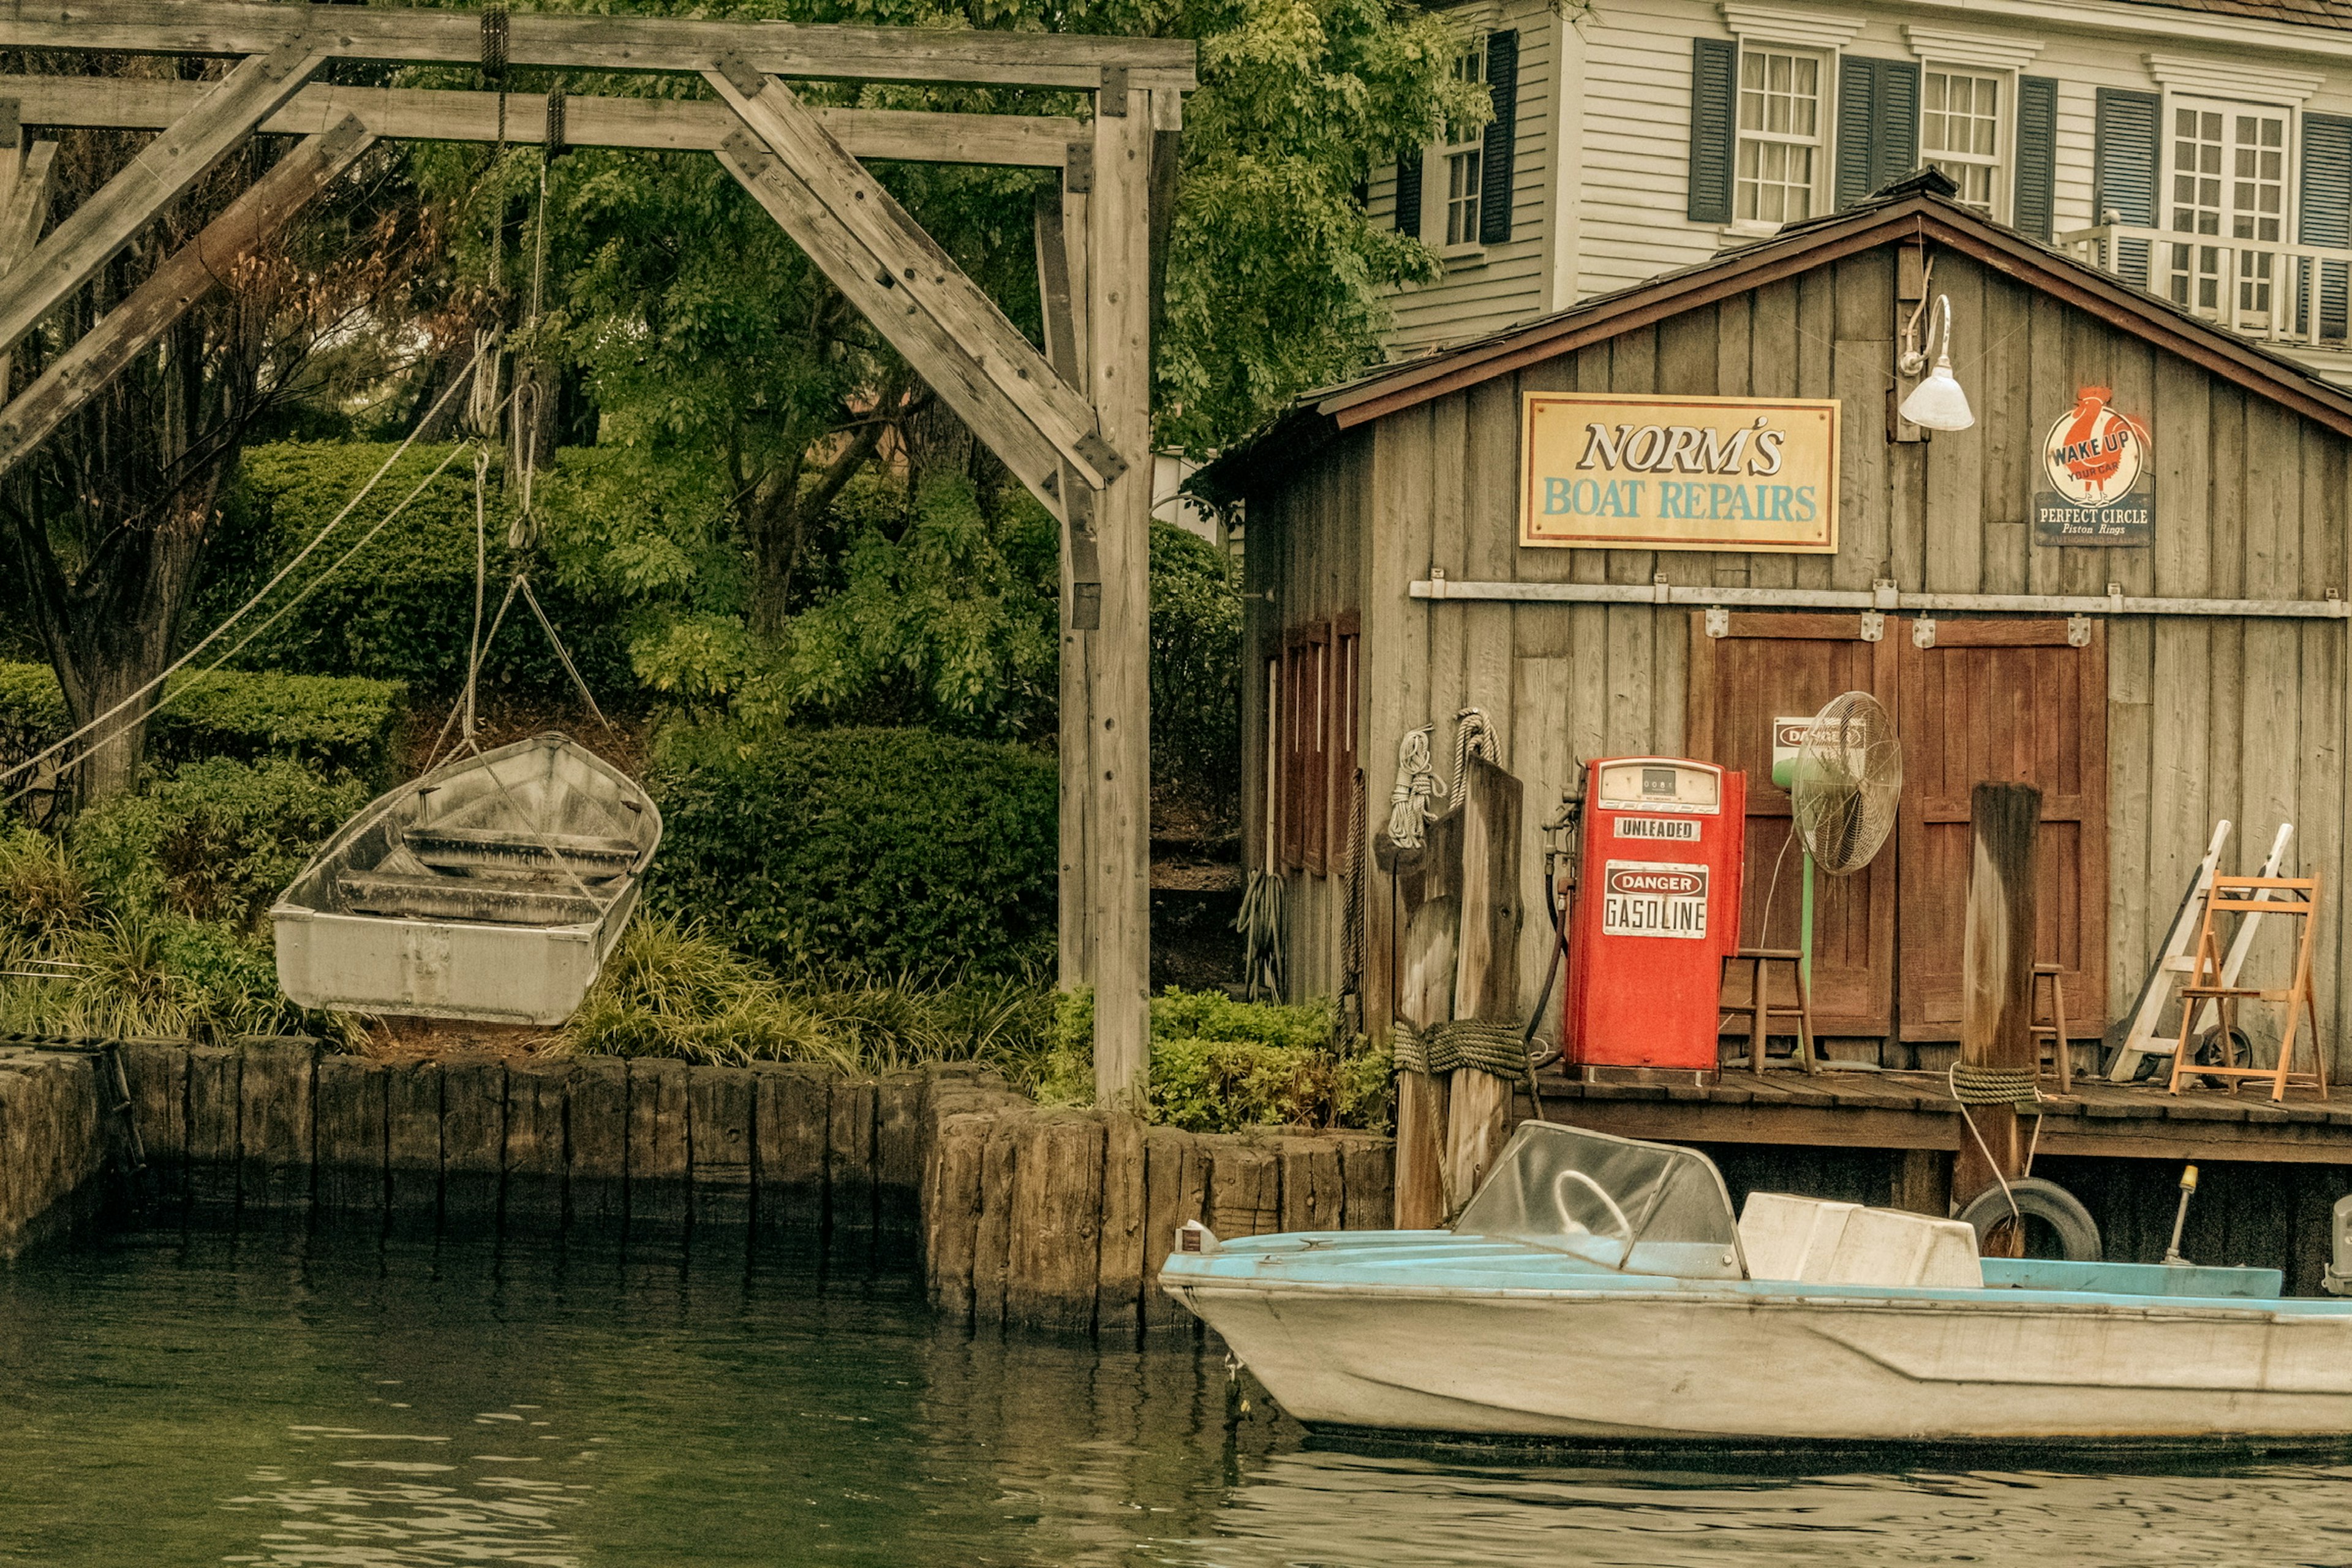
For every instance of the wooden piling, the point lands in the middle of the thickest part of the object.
(1119, 1266)
(657, 1165)
(1487, 971)
(993, 1235)
(720, 1105)
(277, 1129)
(213, 1104)
(596, 1144)
(951, 1207)
(791, 1123)
(158, 1072)
(1368, 1168)
(1245, 1189)
(350, 1102)
(413, 1143)
(1175, 1190)
(1054, 1246)
(533, 1155)
(473, 1141)
(897, 1160)
(849, 1172)
(1996, 978)
(1311, 1186)
(1428, 883)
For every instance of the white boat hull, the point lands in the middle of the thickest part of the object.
(1729, 1366)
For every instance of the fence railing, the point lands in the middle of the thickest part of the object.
(2288, 294)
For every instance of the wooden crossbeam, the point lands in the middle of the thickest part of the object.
(427, 114)
(173, 288)
(920, 278)
(100, 227)
(604, 43)
(21, 216)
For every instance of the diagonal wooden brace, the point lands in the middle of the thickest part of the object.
(175, 159)
(915, 265)
(173, 288)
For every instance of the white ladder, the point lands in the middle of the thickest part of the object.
(2156, 991)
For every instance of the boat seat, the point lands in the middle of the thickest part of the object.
(502, 850)
(430, 896)
(1818, 1241)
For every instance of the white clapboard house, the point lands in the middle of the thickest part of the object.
(2201, 149)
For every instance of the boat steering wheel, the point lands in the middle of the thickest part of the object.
(1625, 1226)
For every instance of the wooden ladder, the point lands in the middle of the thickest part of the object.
(2211, 982)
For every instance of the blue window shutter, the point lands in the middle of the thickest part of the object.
(1713, 129)
(2037, 157)
(2327, 203)
(1895, 133)
(2125, 151)
(1408, 194)
(1502, 139)
(1857, 120)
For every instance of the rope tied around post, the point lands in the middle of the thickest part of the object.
(1489, 1044)
(1973, 1085)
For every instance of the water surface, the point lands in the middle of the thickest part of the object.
(171, 1397)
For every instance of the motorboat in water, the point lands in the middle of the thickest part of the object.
(490, 888)
(1600, 1290)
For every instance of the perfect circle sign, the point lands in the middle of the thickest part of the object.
(1605, 472)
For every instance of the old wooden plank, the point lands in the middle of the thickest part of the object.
(1051, 1277)
(1364, 1169)
(1245, 1187)
(213, 1104)
(276, 1122)
(413, 1143)
(1175, 1188)
(350, 1102)
(534, 1158)
(596, 1144)
(952, 1206)
(849, 1169)
(1313, 1188)
(657, 1163)
(473, 1141)
(793, 1119)
(991, 1245)
(897, 1160)
(1486, 975)
(721, 1106)
(1119, 1273)
(158, 1071)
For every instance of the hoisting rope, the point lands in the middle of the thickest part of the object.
(2016, 1087)
(464, 379)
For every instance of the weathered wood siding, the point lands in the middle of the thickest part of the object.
(2207, 718)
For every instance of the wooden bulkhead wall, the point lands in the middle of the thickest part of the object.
(2205, 717)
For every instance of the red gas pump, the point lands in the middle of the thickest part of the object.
(1657, 911)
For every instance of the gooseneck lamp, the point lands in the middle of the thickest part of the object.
(1938, 403)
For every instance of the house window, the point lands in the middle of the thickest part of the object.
(1959, 131)
(1780, 136)
(2228, 182)
(1464, 156)
(1305, 745)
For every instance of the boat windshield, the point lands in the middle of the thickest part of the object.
(1643, 1208)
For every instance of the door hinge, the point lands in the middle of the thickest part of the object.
(1923, 632)
(1874, 626)
(1718, 621)
(2078, 631)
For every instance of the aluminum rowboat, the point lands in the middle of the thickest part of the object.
(491, 888)
(1510, 1336)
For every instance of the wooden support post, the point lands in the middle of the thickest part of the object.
(22, 213)
(1118, 319)
(94, 232)
(1428, 885)
(1062, 286)
(1997, 976)
(175, 287)
(1487, 971)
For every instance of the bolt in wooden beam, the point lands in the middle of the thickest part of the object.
(102, 225)
(192, 271)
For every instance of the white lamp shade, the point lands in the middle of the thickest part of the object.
(1937, 402)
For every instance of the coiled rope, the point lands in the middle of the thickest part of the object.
(1974, 1085)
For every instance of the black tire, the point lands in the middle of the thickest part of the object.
(2053, 1205)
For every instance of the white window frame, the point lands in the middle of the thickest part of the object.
(1822, 34)
(2167, 276)
(1823, 142)
(2002, 161)
(1437, 201)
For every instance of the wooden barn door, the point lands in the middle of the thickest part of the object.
(2003, 700)
(1769, 667)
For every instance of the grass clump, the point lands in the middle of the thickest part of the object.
(1220, 1066)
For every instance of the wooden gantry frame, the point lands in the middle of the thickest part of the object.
(1073, 423)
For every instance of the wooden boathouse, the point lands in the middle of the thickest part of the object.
(1405, 562)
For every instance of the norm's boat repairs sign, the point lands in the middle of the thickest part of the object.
(1603, 470)
(1654, 898)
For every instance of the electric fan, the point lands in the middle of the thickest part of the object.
(1841, 783)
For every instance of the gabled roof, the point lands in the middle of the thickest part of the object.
(2295, 13)
(1915, 208)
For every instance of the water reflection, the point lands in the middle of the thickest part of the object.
(289, 1399)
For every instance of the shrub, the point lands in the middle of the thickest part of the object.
(213, 840)
(1196, 654)
(403, 608)
(1219, 1066)
(860, 852)
(43, 894)
(344, 726)
(132, 972)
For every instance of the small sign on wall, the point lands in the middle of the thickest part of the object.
(2101, 477)
(1606, 470)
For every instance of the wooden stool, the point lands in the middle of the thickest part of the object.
(2295, 897)
(1761, 1010)
(2054, 1031)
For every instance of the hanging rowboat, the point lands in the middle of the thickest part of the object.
(491, 888)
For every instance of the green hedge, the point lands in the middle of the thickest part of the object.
(403, 608)
(344, 725)
(862, 851)
(1220, 1065)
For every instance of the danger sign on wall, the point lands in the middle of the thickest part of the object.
(2101, 477)
(1654, 898)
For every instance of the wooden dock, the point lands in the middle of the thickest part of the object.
(1914, 1110)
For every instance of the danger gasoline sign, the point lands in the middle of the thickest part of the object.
(1654, 898)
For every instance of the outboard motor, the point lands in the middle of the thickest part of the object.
(2338, 1278)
